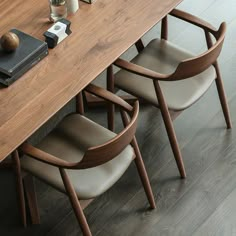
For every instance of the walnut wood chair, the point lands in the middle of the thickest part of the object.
(171, 78)
(83, 159)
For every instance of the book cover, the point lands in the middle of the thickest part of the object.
(8, 80)
(29, 47)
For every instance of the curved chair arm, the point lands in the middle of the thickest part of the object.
(45, 157)
(193, 20)
(139, 70)
(108, 96)
(100, 154)
(95, 155)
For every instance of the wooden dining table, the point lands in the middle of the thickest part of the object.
(101, 32)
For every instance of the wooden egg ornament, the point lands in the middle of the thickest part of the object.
(9, 42)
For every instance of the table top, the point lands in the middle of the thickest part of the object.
(101, 32)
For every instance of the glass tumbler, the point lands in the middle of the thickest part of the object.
(58, 10)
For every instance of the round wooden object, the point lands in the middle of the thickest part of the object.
(9, 42)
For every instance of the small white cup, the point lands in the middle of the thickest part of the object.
(72, 6)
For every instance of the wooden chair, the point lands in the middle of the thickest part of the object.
(171, 78)
(83, 159)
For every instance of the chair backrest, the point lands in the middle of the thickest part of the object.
(101, 154)
(191, 67)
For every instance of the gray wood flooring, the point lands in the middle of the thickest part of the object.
(202, 204)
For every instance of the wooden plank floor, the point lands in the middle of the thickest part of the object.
(202, 204)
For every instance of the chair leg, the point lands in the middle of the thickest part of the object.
(140, 165)
(164, 28)
(143, 174)
(170, 130)
(222, 97)
(75, 204)
(19, 186)
(111, 107)
(173, 142)
(80, 104)
(31, 197)
(139, 45)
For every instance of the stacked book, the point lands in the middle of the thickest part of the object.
(16, 63)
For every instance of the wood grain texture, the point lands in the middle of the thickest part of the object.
(202, 136)
(222, 221)
(101, 33)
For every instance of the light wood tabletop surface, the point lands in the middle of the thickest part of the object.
(101, 32)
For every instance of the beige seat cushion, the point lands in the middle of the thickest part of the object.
(163, 57)
(69, 141)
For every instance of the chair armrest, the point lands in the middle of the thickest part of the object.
(45, 157)
(193, 20)
(108, 96)
(139, 70)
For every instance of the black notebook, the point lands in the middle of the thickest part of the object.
(29, 53)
